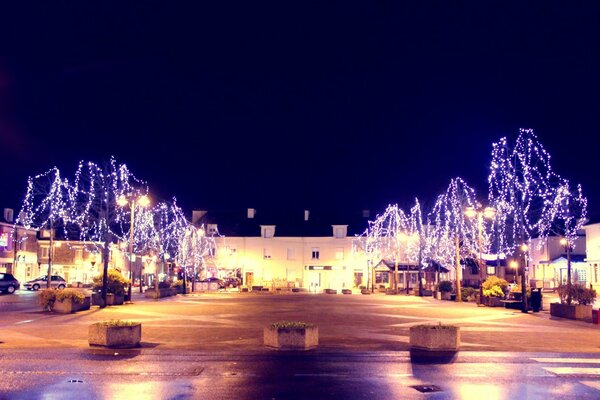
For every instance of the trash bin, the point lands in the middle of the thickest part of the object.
(536, 299)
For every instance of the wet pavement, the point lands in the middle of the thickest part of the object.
(210, 346)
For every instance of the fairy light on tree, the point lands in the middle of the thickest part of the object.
(45, 207)
(94, 205)
(168, 228)
(453, 231)
(521, 189)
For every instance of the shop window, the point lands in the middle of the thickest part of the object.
(315, 253)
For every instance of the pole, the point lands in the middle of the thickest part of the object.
(13, 269)
(524, 307)
(568, 272)
(479, 242)
(458, 271)
(131, 275)
(50, 254)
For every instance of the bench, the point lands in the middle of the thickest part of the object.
(511, 303)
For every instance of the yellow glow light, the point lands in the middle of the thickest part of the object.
(122, 201)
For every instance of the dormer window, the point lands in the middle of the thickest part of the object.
(340, 231)
(267, 231)
(212, 229)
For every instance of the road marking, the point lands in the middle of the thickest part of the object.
(592, 384)
(24, 321)
(568, 360)
(573, 371)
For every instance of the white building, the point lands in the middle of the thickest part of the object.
(282, 253)
(592, 235)
(548, 265)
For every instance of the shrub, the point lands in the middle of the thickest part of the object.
(467, 292)
(291, 324)
(115, 282)
(579, 294)
(72, 294)
(177, 284)
(167, 283)
(117, 322)
(47, 298)
(445, 286)
(495, 287)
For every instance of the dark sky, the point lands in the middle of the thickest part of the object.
(345, 105)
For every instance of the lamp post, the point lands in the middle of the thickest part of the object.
(143, 201)
(524, 307)
(567, 245)
(489, 213)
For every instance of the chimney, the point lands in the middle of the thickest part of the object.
(306, 213)
(366, 213)
(251, 213)
(197, 216)
(8, 214)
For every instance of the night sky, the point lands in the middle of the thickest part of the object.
(293, 105)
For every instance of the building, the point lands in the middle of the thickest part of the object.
(282, 251)
(18, 248)
(592, 245)
(548, 264)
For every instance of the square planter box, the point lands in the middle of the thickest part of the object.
(115, 336)
(291, 338)
(111, 299)
(446, 295)
(365, 291)
(346, 291)
(493, 301)
(573, 311)
(330, 291)
(435, 338)
(69, 306)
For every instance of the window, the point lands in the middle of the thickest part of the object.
(291, 254)
(266, 253)
(78, 254)
(267, 231)
(491, 270)
(45, 251)
(315, 253)
(339, 253)
(581, 275)
(212, 229)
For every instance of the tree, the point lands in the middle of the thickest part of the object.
(168, 228)
(452, 230)
(94, 208)
(521, 189)
(46, 207)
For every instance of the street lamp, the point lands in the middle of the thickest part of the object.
(131, 200)
(567, 245)
(488, 212)
(524, 268)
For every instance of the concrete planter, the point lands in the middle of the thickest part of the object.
(69, 306)
(111, 299)
(435, 337)
(365, 291)
(574, 311)
(493, 301)
(291, 338)
(100, 334)
(330, 291)
(346, 291)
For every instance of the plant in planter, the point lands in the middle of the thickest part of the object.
(115, 333)
(70, 300)
(468, 293)
(47, 297)
(581, 295)
(290, 335)
(445, 287)
(115, 285)
(494, 290)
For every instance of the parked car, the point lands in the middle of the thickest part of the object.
(56, 281)
(8, 283)
(232, 282)
(219, 281)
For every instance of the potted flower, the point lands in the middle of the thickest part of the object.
(70, 300)
(115, 288)
(579, 294)
(115, 333)
(494, 290)
(289, 335)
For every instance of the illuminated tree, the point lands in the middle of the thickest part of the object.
(46, 207)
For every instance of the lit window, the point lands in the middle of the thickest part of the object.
(44, 251)
(491, 270)
(339, 253)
